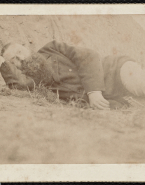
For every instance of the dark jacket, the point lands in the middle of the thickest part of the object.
(75, 72)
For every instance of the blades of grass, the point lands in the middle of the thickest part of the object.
(29, 92)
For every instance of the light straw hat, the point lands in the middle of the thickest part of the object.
(133, 78)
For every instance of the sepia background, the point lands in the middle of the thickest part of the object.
(33, 130)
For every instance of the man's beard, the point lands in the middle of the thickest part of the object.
(37, 68)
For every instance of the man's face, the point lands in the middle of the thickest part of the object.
(16, 53)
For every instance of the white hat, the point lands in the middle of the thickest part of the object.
(133, 78)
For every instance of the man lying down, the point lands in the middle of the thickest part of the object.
(73, 72)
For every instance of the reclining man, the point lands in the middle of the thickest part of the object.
(73, 72)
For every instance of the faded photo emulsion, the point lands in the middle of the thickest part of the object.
(72, 89)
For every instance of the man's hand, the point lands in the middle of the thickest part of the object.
(14, 77)
(97, 101)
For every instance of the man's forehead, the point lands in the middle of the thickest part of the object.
(11, 48)
(10, 52)
(14, 49)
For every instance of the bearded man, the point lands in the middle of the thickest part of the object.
(73, 72)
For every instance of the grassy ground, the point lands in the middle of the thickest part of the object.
(36, 127)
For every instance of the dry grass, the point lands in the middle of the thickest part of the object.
(43, 96)
(44, 129)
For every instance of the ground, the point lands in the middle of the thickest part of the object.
(36, 131)
(33, 130)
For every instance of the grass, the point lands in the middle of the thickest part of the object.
(69, 125)
(42, 96)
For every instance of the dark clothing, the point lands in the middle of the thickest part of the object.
(75, 71)
(113, 84)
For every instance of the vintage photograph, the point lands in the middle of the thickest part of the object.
(72, 89)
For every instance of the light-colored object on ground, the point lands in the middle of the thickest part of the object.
(1, 60)
(133, 78)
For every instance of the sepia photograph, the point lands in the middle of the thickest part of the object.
(72, 89)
